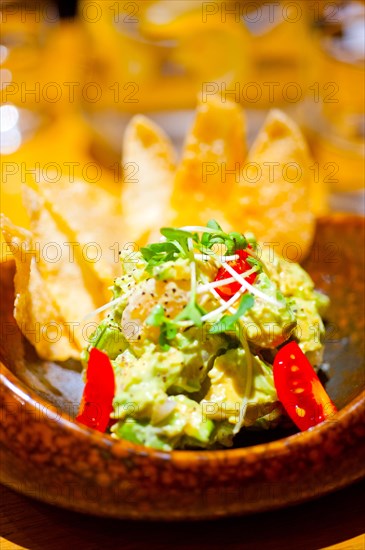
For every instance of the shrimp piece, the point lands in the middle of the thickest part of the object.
(173, 296)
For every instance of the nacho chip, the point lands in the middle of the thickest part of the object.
(91, 216)
(213, 154)
(149, 163)
(36, 313)
(272, 198)
(65, 266)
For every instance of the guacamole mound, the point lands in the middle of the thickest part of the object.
(192, 369)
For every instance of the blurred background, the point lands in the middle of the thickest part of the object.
(73, 73)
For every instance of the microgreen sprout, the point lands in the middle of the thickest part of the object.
(168, 327)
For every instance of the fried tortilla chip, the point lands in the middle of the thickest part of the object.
(213, 154)
(65, 266)
(35, 311)
(90, 216)
(272, 198)
(149, 164)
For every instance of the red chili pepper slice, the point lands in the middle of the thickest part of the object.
(97, 400)
(241, 265)
(299, 389)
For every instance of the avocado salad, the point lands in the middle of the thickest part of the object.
(192, 332)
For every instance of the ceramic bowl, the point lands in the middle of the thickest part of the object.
(46, 455)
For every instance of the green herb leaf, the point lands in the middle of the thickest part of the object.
(233, 241)
(192, 312)
(173, 233)
(159, 253)
(228, 321)
(207, 238)
(236, 241)
(179, 238)
(251, 240)
(157, 316)
(254, 262)
(213, 224)
(168, 328)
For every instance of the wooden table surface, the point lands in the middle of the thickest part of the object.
(336, 521)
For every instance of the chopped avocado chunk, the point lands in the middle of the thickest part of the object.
(140, 432)
(184, 423)
(175, 271)
(265, 324)
(228, 397)
(109, 339)
(322, 302)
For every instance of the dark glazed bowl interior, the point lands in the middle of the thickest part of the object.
(336, 263)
